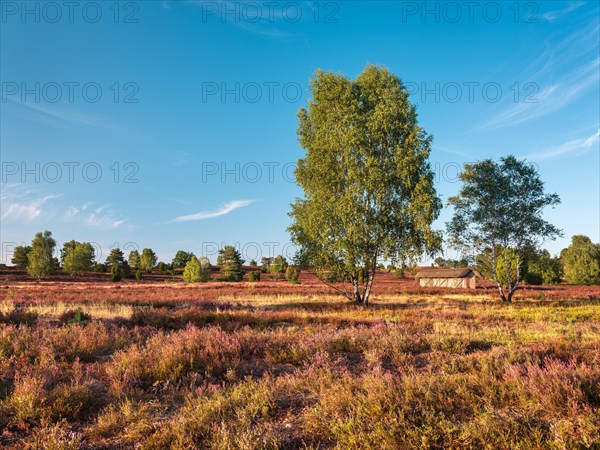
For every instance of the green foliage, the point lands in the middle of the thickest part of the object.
(197, 270)
(126, 270)
(230, 263)
(20, 258)
(41, 262)
(484, 263)
(147, 260)
(254, 276)
(278, 266)
(162, 267)
(509, 267)
(500, 206)
(181, 259)
(265, 264)
(292, 273)
(67, 247)
(253, 262)
(452, 263)
(582, 261)
(116, 272)
(78, 258)
(543, 269)
(75, 317)
(535, 268)
(115, 257)
(368, 185)
(100, 268)
(138, 275)
(134, 259)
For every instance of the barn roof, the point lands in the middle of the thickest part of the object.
(444, 273)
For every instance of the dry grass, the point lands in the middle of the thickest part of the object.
(229, 367)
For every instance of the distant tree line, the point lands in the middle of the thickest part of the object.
(76, 258)
(577, 264)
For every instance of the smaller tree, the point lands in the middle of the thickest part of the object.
(205, 267)
(125, 270)
(278, 266)
(197, 270)
(41, 261)
(253, 263)
(265, 264)
(115, 257)
(582, 261)
(67, 246)
(134, 259)
(19, 257)
(147, 260)
(292, 273)
(498, 215)
(79, 258)
(115, 272)
(230, 263)
(181, 259)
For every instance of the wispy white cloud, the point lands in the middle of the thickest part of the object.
(565, 68)
(223, 210)
(553, 16)
(22, 203)
(99, 217)
(548, 100)
(55, 112)
(264, 30)
(261, 19)
(575, 145)
(24, 208)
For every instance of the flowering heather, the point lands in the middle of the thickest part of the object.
(153, 366)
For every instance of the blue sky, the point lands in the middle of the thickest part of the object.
(172, 125)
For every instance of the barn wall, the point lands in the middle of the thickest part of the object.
(467, 282)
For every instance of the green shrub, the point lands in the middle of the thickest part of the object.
(533, 278)
(254, 275)
(115, 272)
(292, 273)
(77, 317)
(138, 275)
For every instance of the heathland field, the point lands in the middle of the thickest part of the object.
(156, 365)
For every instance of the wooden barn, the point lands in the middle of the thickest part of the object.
(451, 278)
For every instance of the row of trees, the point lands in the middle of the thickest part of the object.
(579, 263)
(79, 257)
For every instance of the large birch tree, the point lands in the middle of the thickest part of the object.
(368, 186)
